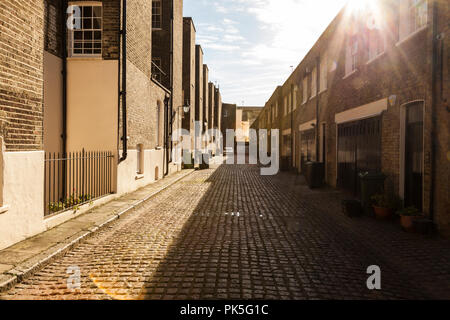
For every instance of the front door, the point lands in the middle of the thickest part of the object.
(414, 156)
(359, 151)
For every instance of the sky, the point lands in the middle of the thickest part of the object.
(252, 46)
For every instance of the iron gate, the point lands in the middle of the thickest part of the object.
(359, 150)
(76, 178)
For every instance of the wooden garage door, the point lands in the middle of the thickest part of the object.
(359, 150)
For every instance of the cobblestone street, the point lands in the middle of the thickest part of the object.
(229, 233)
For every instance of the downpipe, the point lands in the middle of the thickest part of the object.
(123, 93)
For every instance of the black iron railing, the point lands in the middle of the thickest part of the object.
(158, 74)
(76, 178)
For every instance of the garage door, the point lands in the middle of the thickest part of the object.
(359, 150)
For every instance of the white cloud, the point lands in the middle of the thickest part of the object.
(253, 43)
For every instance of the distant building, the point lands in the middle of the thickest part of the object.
(245, 117)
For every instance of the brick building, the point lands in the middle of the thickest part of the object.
(167, 55)
(189, 73)
(245, 118)
(217, 108)
(211, 104)
(67, 139)
(372, 95)
(199, 82)
(228, 118)
(205, 99)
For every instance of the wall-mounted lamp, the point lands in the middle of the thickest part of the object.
(186, 107)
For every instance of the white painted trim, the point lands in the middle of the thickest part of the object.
(4, 209)
(351, 73)
(411, 35)
(307, 125)
(376, 58)
(366, 111)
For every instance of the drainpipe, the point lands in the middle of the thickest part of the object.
(64, 89)
(317, 108)
(435, 59)
(123, 93)
(169, 104)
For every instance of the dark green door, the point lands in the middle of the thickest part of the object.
(414, 156)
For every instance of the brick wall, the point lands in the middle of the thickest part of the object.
(442, 139)
(206, 94)
(228, 118)
(189, 71)
(21, 73)
(143, 96)
(211, 101)
(217, 108)
(403, 71)
(199, 84)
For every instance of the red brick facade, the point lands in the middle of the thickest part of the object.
(402, 75)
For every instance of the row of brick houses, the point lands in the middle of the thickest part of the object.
(202, 96)
(90, 95)
(372, 96)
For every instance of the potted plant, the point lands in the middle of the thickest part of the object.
(407, 216)
(384, 205)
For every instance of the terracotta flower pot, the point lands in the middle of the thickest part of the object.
(382, 213)
(407, 223)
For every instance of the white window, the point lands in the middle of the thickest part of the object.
(413, 16)
(418, 11)
(156, 14)
(323, 72)
(294, 98)
(314, 83)
(376, 43)
(305, 89)
(290, 102)
(351, 61)
(285, 106)
(85, 38)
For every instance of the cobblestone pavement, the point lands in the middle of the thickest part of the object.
(229, 233)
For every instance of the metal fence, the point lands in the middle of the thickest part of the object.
(76, 178)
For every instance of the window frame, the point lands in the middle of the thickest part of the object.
(71, 33)
(159, 27)
(323, 73)
(305, 89)
(313, 83)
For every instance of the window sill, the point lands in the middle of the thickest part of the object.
(158, 148)
(312, 97)
(140, 176)
(350, 74)
(411, 35)
(324, 90)
(4, 209)
(304, 102)
(376, 58)
(86, 58)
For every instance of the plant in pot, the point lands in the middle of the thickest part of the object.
(407, 216)
(384, 205)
